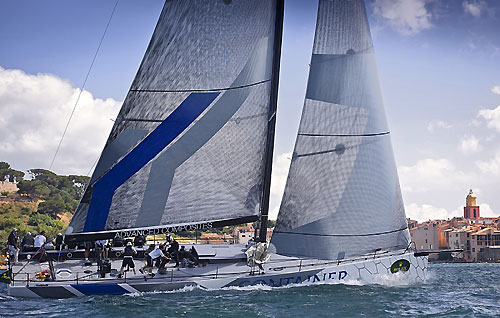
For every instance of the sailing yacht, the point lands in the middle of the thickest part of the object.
(192, 147)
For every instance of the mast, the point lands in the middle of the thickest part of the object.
(266, 189)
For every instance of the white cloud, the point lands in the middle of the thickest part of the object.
(469, 144)
(34, 111)
(486, 211)
(438, 124)
(474, 8)
(430, 175)
(405, 16)
(491, 167)
(427, 212)
(496, 89)
(281, 165)
(492, 117)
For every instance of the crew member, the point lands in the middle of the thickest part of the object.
(102, 247)
(59, 244)
(173, 250)
(187, 258)
(28, 243)
(195, 256)
(157, 255)
(40, 240)
(12, 245)
(128, 258)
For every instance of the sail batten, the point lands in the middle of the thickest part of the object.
(189, 144)
(197, 90)
(342, 196)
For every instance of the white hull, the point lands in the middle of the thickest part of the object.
(279, 271)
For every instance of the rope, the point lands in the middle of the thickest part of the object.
(83, 86)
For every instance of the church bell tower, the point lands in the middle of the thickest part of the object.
(471, 209)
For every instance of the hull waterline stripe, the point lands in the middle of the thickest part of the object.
(100, 289)
(185, 114)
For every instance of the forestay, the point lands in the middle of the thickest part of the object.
(188, 145)
(342, 197)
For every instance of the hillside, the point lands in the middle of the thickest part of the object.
(44, 201)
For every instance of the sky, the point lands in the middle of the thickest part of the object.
(438, 62)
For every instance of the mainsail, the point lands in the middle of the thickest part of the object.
(342, 196)
(189, 143)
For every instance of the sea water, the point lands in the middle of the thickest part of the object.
(451, 290)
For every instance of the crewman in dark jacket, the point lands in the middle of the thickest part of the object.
(128, 258)
(12, 245)
(28, 243)
(187, 258)
(173, 250)
(195, 256)
(59, 241)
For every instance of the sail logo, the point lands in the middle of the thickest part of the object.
(282, 281)
(401, 265)
(164, 230)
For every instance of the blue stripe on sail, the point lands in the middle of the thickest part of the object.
(99, 289)
(143, 153)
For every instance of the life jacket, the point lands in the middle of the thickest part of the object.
(128, 251)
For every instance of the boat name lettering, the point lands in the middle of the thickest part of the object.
(164, 230)
(274, 282)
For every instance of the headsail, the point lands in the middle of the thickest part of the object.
(342, 196)
(189, 143)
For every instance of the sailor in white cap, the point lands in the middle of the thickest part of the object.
(128, 258)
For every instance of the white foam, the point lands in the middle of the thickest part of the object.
(184, 289)
(390, 280)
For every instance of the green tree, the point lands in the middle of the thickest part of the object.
(59, 194)
(42, 222)
(9, 174)
(44, 175)
(51, 207)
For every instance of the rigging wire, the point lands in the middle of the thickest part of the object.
(91, 168)
(83, 85)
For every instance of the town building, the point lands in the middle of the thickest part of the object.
(483, 239)
(461, 239)
(242, 234)
(425, 236)
(430, 235)
(478, 237)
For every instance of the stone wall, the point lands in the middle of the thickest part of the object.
(6, 186)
